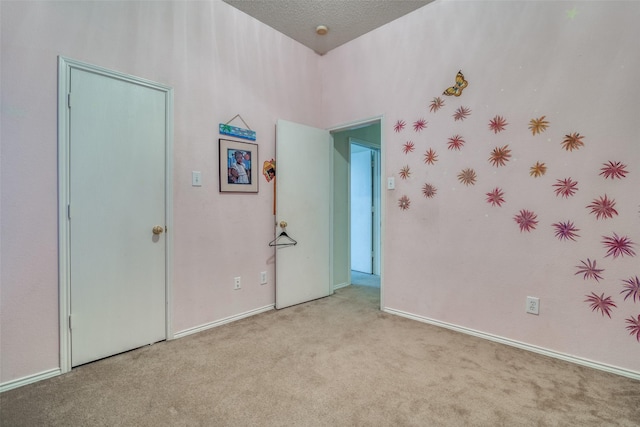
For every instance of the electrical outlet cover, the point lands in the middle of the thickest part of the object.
(533, 305)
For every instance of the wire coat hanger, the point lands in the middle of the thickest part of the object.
(283, 235)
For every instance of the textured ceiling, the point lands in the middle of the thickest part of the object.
(346, 19)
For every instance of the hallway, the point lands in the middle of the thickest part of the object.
(364, 279)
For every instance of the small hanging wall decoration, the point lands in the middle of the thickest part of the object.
(227, 129)
(269, 172)
(269, 169)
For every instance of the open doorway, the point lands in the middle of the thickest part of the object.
(364, 209)
(357, 220)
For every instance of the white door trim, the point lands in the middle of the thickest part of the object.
(65, 65)
(353, 125)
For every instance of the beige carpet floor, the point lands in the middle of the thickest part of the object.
(337, 361)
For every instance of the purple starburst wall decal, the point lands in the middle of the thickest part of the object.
(631, 288)
(467, 176)
(420, 124)
(408, 147)
(565, 187)
(600, 303)
(495, 197)
(617, 246)
(614, 170)
(461, 113)
(589, 270)
(526, 220)
(405, 172)
(634, 326)
(430, 157)
(572, 141)
(497, 124)
(603, 207)
(565, 230)
(400, 124)
(500, 156)
(429, 191)
(455, 142)
(436, 104)
(404, 203)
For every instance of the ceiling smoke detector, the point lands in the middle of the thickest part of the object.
(321, 30)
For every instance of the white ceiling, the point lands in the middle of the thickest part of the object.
(346, 19)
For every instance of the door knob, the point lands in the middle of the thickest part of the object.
(158, 229)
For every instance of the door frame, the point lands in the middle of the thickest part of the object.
(351, 126)
(376, 202)
(65, 65)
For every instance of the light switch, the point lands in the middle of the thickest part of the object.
(196, 179)
(391, 183)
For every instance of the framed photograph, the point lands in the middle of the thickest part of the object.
(238, 166)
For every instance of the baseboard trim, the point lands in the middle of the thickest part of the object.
(30, 379)
(521, 345)
(221, 322)
(341, 285)
(10, 385)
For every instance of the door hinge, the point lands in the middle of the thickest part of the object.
(68, 211)
(69, 100)
(70, 316)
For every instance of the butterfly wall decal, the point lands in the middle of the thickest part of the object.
(456, 90)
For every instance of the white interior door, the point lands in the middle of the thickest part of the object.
(362, 208)
(117, 143)
(303, 201)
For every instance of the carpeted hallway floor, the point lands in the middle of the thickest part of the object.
(364, 279)
(336, 361)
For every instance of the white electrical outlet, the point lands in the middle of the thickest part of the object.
(263, 278)
(236, 282)
(533, 305)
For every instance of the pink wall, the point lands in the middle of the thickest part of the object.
(220, 63)
(452, 258)
(457, 259)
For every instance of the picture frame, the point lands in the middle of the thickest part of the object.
(238, 166)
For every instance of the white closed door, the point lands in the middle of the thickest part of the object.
(117, 137)
(303, 201)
